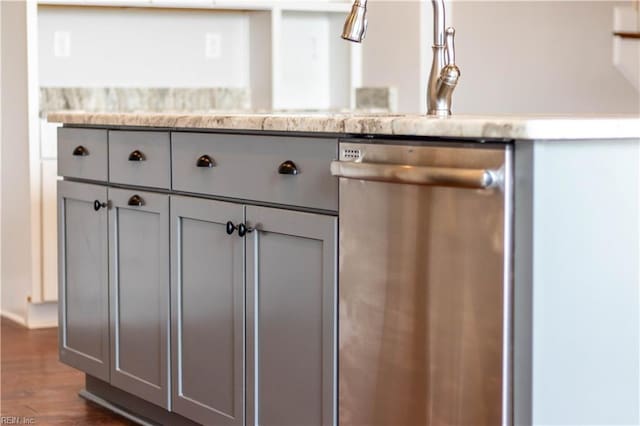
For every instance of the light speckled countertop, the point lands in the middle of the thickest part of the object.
(458, 126)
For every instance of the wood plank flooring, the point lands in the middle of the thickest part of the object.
(34, 384)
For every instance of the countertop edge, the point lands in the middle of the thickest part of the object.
(467, 127)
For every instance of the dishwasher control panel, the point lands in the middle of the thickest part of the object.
(350, 154)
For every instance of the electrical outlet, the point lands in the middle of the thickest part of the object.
(212, 45)
(62, 44)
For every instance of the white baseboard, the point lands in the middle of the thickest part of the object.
(42, 315)
(39, 315)
(14, 317)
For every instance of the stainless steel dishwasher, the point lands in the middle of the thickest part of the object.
(425, 284)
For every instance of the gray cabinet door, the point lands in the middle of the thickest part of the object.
(291, 318)
(83, 287)
(207, 311)
(139, 293)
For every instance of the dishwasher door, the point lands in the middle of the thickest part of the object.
(424, 290)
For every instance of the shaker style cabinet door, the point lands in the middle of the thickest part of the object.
(139, 293)
(83, 286)
(291, 318)
(207, 311)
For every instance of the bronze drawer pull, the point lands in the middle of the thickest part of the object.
(137, 156)
(288, 168)
(80, 151)
(205, 161)
(136, 201)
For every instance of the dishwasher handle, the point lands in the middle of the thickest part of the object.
(418, 175)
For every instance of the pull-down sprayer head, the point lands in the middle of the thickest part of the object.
(355, 27)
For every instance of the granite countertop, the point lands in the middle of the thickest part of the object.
(531, 127)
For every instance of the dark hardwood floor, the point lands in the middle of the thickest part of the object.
(37, 386)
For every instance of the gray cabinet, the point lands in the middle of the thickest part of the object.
(207, 288)
(139, 293)
(163, 299)
(291, 290)
(83, 286)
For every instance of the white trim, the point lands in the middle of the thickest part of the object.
(39, 315)
(295, 5)
(14, 317)
(42, 315)
(35, 185)
(276, 59)
(426, 53)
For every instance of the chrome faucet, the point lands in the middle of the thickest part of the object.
(444, 74)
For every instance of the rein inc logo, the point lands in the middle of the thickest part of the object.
(17, 420)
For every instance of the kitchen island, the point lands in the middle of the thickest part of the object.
(199, 265)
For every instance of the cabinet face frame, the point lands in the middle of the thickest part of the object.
(98, 366)
(153, 203)
(301, 225)
(215, 213)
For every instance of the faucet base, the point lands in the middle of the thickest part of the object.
(440, 113)
(437, 64)
(445, 84)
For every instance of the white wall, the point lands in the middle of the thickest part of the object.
(305, 59)
(130, 47)
(147, 47)
(14, 172)
(313, 61)
(393, 52)
(539, 57)
(515, 56)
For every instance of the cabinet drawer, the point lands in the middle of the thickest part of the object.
(251, 168)
(82, 153)
(140, 158)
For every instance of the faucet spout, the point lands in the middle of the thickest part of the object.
(438, 22)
